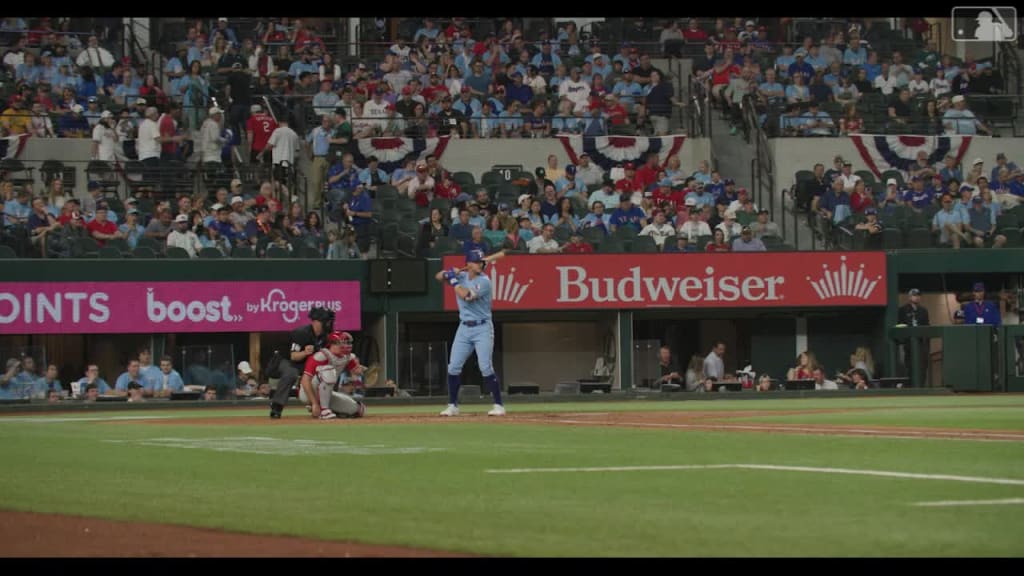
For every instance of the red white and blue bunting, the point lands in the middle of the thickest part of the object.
(391, 151)
(882, 153)
(12, 146)
(608, 151)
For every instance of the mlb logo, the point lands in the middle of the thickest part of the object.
(984, 24)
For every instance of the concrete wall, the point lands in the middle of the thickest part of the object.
(477, 156)
(792, 154)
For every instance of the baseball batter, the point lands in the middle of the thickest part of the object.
(327, 369)
(476, 330)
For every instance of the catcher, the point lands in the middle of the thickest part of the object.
(328, 370)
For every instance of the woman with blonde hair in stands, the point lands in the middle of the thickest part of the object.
(695, 374)
(56, 196)
(553, 171)
(860, 360)
(804, 369)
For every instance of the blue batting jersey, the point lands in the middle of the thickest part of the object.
(479, 308)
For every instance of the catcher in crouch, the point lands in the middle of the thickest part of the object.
(328, 369)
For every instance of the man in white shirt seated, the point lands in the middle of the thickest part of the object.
(820, 383)
(659, 229)
(184, 238)
(545, 243)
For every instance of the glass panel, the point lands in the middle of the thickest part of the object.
(423, 368)
(23, 373)
(206, 365)
(1018, 355)
(645, 363)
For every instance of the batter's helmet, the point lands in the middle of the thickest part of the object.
(343, 338)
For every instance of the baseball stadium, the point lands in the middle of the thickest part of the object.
(512, 287)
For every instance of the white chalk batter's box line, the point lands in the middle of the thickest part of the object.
(276, 446)
(808, 469)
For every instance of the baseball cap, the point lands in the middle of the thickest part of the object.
(540, 171)
(214, 110)
(966, 188)
(915, 178)
(236, 182)
(730, 214)
(570, 169)
(503, 206)
(979, 286)
(236, 65)
(407, 90)
(77, 108)
(106, 114)
(977, 161)
(244, 367)
(626, 198)
(132, 211)
(94, 185)
(750, 23)
(691, 202)
(93, 99)
(871, 211)
(746, 230)
(236, 200)
(255, 108)
(729, 182)
(977, 200)
(629, 166)
(181, 218)
(891, 182)
(131, 200)
(216, 206)
(522, 197)
(763, 211)
(914, 292)
(141, 101)
(222, 19)
(958, 98)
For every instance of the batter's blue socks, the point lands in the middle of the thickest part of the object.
(453, 389)
(492, 383)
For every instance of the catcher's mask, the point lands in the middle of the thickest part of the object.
(343, 338)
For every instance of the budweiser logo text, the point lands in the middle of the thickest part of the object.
(504, 286)
(577, 286)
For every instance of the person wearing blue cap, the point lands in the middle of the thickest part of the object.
(475, 332)
(568, 185)
(980, 311)
(981, 225)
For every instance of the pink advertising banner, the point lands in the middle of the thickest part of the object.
(148, 307)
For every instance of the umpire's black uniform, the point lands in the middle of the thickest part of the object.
(291, 369)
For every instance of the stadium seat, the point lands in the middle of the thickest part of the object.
(919, 238)
(109, 252)
(892, 238)
(177, 253)
(643, 244)
(275, 251)
(625, 233)
(210, 253)
(144, 253)
(16, 172)
(120, 244)
(464, 179)
(7, 253)
(242, 252)
(1007, 221)
(612, 246)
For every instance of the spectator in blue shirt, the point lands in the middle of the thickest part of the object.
(305, 64)
(627, 214)
(568, 185)
(427, 30)
(372, 176)
(949, 224)
(466, 104)
(800, 66)
(462, 230)
(628, 90)
(92, 376)
(132, 374)
(546, 61)
(519, 92)
(512, 120)
(169, 380)
(359, 209)
(597, 218)
(342, 178)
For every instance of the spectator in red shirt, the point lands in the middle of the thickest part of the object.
(446, 187)
(102, 229)
(693, 33)
(630, 183)
(718, 244)
(168, 125)
(860, 199)
(615, 111)
(648, 173)
(259, 127)
(576, 244)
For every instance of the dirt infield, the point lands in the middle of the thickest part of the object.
(32, 535)
(708, 421)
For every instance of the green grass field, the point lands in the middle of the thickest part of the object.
(447, 485)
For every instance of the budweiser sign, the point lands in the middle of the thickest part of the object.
(589, 281)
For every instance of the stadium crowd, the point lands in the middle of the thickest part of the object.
(273, 87)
